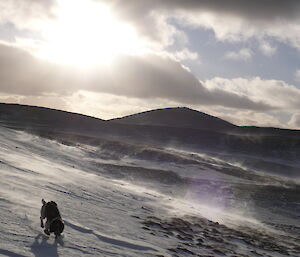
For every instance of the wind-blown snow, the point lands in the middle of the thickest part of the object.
(142, 202)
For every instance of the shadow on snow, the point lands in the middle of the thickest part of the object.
(42, 248)
(109, 240)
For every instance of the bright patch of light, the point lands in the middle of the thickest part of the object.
(87, 33)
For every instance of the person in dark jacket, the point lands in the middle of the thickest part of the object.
(54, 222)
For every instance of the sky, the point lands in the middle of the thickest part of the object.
(235, 59)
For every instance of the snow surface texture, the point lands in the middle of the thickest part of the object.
(139, 201)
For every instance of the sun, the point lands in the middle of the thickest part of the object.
(86, 33)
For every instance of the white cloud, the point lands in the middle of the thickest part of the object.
(275, 93)
(26, 14)
(297, 75)
(243, 54)
(295, 121)
(238, 28)
(250, 118)
(108, 106)
(185, 54)
(267, 49)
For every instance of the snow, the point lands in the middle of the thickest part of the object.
(110, 213)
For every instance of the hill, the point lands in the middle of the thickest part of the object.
(143, 201)
(172, 127)
(24, 116)
(180, 117)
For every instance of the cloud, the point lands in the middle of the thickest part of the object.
(254, 10)
(295, 121)
(297, 75)
(243, 54)
(185, 54)
(274, 93)
(251, 118)
(266, 48)
(23, 74)
(234, 21)
(26, 14)
(146, 77)
(108, 106)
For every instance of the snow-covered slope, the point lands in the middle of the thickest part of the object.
(140, 202)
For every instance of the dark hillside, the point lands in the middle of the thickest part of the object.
(15, 115)
(171, 127)
(180, 117)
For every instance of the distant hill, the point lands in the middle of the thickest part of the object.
(174, 127)
(17, 115)
(180, 117)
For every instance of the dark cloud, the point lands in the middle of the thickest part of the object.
(21, 73)
(154, 76)
(254, 9)
(145, 77)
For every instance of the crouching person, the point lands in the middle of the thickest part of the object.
(54, 223)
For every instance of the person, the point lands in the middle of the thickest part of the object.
(54, 222)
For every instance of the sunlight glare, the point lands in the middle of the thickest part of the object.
(86, 33)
